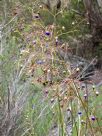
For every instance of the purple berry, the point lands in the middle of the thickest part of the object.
(79, 113)
(40, 62)
(47, 33)
(37, 16)
(46, 91)
(93, 118)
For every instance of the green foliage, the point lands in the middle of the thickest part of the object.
(46, 17)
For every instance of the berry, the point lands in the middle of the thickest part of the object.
(47, 33)
(79, 113)
(93, 118)
(37, 16)
(46, 91)
(69, 109)
(40, 62)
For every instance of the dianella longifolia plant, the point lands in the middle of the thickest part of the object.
(38, 94)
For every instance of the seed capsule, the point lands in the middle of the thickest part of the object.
(56, 42)
(77, 69)
(83, 86)
(61, 105)
(73, 23)
(97, 93)
(93, 87)
(79, 113)
(40, 6)
(69, 109)
(85, 96)
(83, 122)
(52, 100)
(34, 42)
(64, 72)
(37, 16)
(63, 28)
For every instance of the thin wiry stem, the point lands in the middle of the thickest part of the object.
(78, 95)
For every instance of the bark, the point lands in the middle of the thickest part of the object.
(94, 17)
(52, 4)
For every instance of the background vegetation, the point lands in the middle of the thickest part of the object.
(41, 87)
